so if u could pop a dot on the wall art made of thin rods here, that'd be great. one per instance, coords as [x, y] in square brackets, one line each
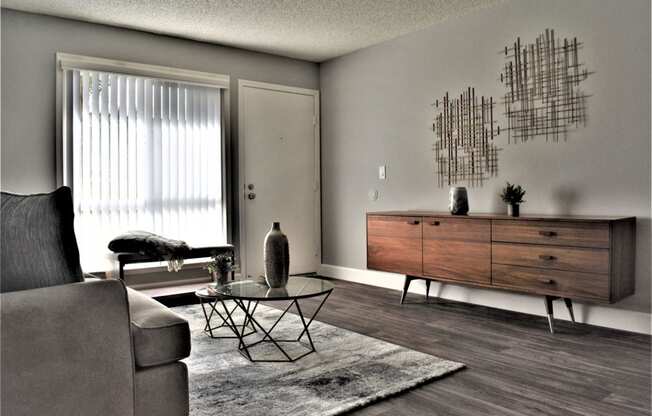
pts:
[542, 81]
[464, 146]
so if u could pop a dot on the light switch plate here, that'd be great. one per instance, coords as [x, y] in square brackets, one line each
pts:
[382, 172]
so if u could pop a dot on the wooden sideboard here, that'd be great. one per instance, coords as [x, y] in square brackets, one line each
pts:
[570, 258]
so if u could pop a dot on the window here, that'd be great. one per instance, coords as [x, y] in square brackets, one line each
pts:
[145, 154]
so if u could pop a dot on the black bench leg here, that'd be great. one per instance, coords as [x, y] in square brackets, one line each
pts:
[427, 289]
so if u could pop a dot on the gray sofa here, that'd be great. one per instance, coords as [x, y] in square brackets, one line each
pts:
[76, 346]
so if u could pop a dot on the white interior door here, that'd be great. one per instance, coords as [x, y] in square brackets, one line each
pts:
[279, 145]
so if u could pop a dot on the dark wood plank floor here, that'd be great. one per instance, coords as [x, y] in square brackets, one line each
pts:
[514, 365]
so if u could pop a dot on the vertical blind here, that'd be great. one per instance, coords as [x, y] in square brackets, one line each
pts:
[146, 155]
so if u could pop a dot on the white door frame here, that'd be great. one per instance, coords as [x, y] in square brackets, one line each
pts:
[242, 192]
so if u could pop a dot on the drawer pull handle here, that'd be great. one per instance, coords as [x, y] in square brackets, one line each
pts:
[546, 257]
[548, 233]
[413, 222]
[547, 281]
[435, 223]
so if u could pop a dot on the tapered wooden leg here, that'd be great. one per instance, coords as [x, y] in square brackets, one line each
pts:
[406, 286]
[569, 306]
[427, 290]
[549, 311]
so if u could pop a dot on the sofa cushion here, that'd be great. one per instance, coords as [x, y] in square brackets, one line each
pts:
[160, 335]
[162, 390]
[38, 241]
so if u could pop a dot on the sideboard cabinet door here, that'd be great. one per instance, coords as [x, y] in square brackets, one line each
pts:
[457, 249]
[394, 244]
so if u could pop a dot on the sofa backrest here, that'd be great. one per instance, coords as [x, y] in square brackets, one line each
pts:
[38, 245]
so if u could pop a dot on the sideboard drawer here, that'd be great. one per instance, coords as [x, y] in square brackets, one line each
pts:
[560, 233]
[457, 249]
[399, 227]
[438, 228]
[574, 285]
[589, 260]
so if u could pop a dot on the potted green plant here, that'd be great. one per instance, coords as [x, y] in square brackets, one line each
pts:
[513, 195]
[219, 268]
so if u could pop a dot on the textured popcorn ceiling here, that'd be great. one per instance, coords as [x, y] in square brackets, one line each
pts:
[315, 30]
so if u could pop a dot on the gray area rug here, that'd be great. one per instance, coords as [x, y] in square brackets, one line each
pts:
[348, 370]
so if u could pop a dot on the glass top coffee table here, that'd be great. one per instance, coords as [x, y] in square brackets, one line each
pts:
[247, 294]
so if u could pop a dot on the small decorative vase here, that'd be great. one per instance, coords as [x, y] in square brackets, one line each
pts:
[513, 210]
[459, 201]
[277, 257]
[219, 278]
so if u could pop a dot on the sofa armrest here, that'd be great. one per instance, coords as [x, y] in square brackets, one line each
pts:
[67, 350]
[160, 335]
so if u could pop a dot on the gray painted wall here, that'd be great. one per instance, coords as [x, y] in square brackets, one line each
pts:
[29, 44]
[376, 110]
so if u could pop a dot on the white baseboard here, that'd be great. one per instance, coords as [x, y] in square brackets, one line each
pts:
[625, 320]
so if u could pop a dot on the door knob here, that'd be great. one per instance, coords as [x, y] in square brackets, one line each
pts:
[251, 195]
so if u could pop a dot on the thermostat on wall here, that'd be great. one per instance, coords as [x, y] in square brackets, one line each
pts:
[373, 195]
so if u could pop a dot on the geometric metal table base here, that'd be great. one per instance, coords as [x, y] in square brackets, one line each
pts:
[250, 321]
[226, 321]
[246, 295]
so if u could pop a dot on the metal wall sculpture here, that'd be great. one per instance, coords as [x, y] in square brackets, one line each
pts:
[543, 96]
[464, 146]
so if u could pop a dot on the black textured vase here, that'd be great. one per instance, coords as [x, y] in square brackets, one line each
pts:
[459, 201]
[277, 257]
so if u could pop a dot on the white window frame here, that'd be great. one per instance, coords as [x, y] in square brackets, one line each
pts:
[66, 61]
